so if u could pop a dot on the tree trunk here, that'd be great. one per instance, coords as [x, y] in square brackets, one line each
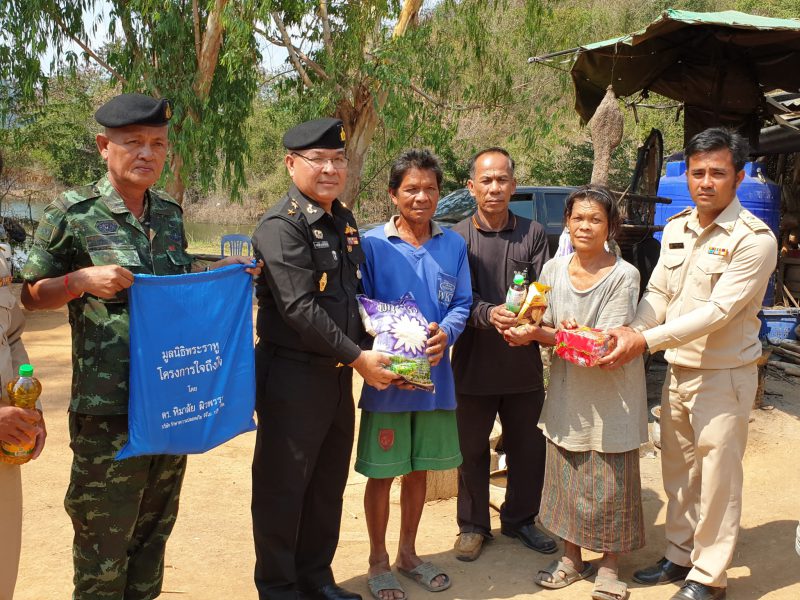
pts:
[408, 16]
[175, 185]
[206, 65]
[209, 53]
[360, 123]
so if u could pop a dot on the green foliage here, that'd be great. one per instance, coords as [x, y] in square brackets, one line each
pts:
[573, 166]
[267, 178]
[152, 50]
[59, 135]
[456, 82]
[541, 128]
[784, 9]
[419, 83]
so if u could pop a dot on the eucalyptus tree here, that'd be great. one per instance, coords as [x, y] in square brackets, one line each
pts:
[385, 63]
[201, 54]
[372, 63]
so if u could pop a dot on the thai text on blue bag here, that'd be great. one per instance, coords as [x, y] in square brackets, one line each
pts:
[192, 374]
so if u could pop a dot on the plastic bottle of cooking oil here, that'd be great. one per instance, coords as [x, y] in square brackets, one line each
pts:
[23, 391]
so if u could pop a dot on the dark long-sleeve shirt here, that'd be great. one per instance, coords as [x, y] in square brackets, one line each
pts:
[483, 363]
[307, 289]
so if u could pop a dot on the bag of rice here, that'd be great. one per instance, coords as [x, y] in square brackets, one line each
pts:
[583, 346]
[401, 331]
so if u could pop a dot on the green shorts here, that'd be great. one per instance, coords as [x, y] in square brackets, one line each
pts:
[392, 444]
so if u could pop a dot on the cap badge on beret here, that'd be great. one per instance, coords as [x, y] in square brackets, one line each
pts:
[323, 133]
[134, 109]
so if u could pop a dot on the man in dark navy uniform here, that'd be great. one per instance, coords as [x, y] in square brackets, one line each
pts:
[309, 328]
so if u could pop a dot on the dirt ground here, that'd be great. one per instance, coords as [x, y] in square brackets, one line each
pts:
[210, 554]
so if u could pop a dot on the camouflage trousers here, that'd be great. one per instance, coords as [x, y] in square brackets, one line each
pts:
[122, 511]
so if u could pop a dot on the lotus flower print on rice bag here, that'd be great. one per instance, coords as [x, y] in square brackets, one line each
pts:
[401, 331]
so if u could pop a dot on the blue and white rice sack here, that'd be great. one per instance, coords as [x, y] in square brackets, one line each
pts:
[401, 331]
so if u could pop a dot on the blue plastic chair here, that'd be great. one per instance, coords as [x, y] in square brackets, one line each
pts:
[238, 245]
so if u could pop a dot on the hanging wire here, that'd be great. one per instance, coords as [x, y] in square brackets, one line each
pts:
[548, 63]
[614, 59]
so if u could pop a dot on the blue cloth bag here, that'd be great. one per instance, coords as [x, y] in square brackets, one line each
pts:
[192, 376]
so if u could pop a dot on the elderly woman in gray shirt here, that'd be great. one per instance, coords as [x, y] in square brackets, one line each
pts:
[594, 420]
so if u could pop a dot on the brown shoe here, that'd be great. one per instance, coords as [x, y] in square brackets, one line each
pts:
[468, 546]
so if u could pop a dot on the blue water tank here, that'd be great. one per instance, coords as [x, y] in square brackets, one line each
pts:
[760, 195]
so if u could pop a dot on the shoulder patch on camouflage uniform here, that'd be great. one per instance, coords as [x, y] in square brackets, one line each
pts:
[683, 213]
[75, 196]
[43, 234]
[753, 222]
[162, 195]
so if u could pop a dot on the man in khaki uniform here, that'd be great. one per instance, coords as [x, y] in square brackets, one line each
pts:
[701, 307]
[16, 425]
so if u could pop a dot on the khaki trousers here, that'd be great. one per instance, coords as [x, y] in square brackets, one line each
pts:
[10, 527]
[704, 420]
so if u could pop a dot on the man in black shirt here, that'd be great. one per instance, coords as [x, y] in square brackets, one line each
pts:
[499, 245]
[309, 328]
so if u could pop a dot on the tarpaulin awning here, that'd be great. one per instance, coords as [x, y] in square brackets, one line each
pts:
[719, 64]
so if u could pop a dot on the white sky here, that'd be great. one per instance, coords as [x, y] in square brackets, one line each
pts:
[273, 56]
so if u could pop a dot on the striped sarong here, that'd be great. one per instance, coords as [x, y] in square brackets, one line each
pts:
[593, 499]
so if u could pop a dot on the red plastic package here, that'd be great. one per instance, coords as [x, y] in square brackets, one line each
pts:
[583, 346]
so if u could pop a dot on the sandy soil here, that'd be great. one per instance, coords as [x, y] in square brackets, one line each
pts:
[210, 554]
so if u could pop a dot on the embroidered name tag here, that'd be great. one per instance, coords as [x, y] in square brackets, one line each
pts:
[717, 251]
[676, 245]
[322, 244]
[106, 226]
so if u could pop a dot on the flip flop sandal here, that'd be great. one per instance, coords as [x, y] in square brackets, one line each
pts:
[383, 582]
[609, 588]
[424, 574]
[558, 581]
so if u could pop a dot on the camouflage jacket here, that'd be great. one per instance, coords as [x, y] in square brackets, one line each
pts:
[91, 226]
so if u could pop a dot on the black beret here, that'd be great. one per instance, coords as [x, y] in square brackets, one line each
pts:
[319, 133]
[134, 109]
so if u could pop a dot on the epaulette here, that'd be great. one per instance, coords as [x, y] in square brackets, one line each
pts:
[286, 209]
[291, 208]
[683, 213]
[162, 195]
[753, 222]
[75, 196]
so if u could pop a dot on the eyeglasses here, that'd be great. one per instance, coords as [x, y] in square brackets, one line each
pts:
[340, 162]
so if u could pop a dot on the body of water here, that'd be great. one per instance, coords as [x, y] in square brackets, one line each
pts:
[201, 232]
[205, 234]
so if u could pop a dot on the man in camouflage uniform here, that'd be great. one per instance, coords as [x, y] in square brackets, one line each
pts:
[89, 244]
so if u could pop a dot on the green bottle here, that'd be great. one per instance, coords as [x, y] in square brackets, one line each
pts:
[516, 293]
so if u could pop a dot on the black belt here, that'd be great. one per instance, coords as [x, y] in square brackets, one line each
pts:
[300, 356]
